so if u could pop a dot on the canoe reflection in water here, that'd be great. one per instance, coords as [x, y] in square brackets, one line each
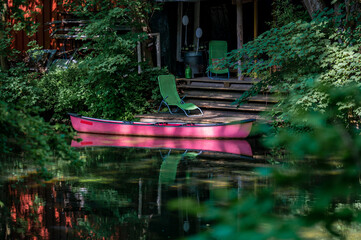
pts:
[170, 162]
[233, 146]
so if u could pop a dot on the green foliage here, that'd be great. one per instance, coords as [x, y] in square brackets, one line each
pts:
[36, 140]
[324, 135]
[19, 86]
[14, 19]
[24, 134]
[296, 56]
[63, 91]
[285, 12]
[106, 82]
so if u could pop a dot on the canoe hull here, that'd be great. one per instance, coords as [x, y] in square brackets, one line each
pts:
[90, 125]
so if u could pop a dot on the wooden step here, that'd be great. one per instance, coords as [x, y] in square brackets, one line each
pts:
[222, 105]
[240, 88]
[207, 88]
[225, 82]
[228, 97]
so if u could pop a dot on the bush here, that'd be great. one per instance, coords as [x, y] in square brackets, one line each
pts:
[32, 138]
[301, 57]
[105, 83]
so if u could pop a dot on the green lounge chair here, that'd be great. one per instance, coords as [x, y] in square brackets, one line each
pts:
[217, 52]
[170, 95]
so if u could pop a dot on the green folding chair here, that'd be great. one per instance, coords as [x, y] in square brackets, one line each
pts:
[170, 96]
[217, 52]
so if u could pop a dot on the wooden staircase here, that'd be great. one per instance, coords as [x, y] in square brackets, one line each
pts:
[218, 95]
[215, 97]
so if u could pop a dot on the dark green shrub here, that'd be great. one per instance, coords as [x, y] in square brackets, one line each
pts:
[293, 59]
[30, 137]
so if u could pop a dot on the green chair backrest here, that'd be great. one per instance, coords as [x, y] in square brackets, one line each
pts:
[217, 50]
[168, 89]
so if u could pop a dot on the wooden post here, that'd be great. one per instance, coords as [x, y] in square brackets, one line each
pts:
[158, 51]
[179, 32]
[197, 12]
[157, 45]
[239, 34]
[255, 19]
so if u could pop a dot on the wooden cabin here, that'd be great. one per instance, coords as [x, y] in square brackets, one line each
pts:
[234, 21]
[46, 14]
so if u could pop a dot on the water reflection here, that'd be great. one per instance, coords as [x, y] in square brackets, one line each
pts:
[240, 147]
[123, 193]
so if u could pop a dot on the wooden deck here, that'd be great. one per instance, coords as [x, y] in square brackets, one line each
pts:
[208, 117]
[214, 97]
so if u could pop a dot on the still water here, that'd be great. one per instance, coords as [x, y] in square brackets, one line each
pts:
[124, 188]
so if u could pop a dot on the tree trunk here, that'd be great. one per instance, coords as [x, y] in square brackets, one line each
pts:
[3, 59]
[313, 6]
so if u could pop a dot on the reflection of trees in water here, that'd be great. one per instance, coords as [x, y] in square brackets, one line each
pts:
[42, 211]
[119, 195]
[62, 211]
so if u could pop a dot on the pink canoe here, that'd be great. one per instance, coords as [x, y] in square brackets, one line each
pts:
[239, 129]
[234, 146]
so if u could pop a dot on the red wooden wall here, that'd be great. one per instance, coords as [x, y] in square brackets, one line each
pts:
[49, 11]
